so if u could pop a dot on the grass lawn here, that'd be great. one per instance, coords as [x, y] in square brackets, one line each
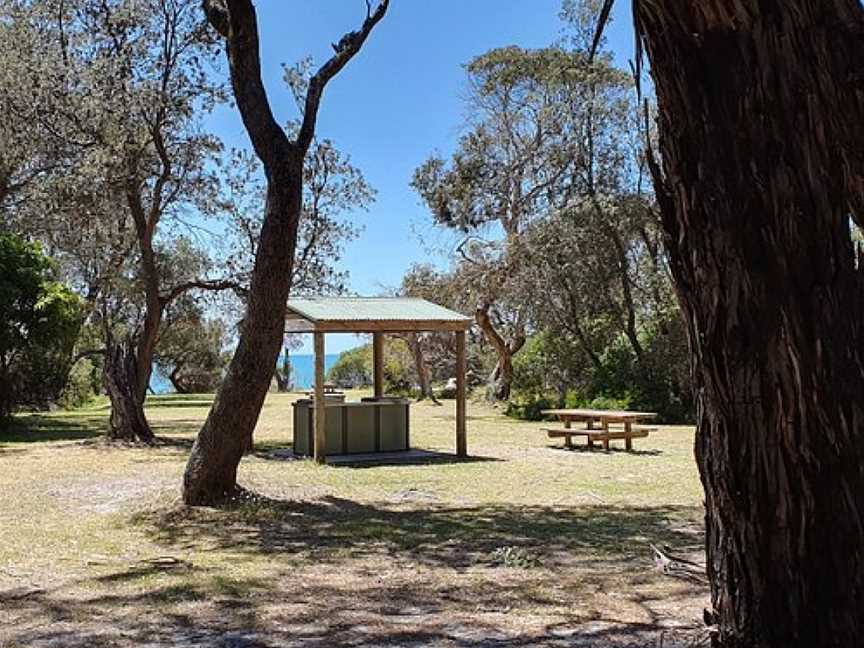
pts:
[527, 545]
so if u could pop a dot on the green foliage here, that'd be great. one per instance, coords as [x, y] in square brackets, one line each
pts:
[549, 364]
[39, 323]
[552, 372]
[354, 368]
[82, 385]
[660, 382]
[529, 407]
[191, 350]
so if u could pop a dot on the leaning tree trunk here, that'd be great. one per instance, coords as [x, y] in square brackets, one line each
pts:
[500, 381]
[761, 106]
[127, 421]
[211, 472]
[177, 381]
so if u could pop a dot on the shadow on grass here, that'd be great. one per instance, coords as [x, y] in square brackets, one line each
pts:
[176, 404]
[363, 587]
[325, 529]
[35, 428]
[598, 449]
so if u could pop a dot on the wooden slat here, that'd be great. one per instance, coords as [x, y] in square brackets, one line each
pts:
[613, 435]
[378, 364]
[320, 406]
[461, 434]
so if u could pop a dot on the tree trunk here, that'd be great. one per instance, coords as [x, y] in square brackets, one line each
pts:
[211, 472]
[127, 422]
[421, 368]
[283, 375]
[761, 106]
[501, 379]
[177, 382]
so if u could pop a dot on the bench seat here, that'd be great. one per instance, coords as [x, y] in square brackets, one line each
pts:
[599, 435]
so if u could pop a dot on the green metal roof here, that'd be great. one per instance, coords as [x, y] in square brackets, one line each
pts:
[388, 313]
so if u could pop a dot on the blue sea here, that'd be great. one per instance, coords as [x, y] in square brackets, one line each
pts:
[302, 364]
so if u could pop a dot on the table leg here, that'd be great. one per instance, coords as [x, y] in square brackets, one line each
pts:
[606, 439]
[628, 442]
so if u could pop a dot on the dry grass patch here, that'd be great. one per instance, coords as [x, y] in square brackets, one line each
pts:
[529, 544]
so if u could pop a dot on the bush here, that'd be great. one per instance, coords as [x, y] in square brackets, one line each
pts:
[529, 407]
[353, 368]
[190, 352]
[39, 323]
[661, 383]
[82, 385]
[552, 372]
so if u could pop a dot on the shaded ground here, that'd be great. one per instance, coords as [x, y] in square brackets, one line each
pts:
[538, 547]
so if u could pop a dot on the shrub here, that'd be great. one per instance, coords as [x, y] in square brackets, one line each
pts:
[529, 407]
[353, 368]
[39, 323]
[82, 385]
[551, 372]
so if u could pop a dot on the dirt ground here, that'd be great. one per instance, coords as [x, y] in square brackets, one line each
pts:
[527, 544]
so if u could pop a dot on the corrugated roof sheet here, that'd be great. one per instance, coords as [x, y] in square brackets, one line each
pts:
[385, 309]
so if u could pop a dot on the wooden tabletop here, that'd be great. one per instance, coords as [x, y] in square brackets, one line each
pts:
[599, 414]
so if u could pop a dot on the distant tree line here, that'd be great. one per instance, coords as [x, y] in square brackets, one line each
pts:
[105, 162]
[556, 234]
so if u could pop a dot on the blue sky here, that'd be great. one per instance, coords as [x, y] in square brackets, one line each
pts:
[396, 103]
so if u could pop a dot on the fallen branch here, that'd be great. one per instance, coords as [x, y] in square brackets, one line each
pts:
[678, 567]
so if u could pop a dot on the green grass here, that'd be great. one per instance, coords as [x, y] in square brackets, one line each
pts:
[96, 545]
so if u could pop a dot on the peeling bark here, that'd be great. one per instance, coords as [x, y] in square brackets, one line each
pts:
[761, 106]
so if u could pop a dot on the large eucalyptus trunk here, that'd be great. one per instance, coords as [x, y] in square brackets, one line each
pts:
[761, 106]
[127, 421]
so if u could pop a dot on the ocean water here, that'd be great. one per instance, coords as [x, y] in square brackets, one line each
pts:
[302, 364]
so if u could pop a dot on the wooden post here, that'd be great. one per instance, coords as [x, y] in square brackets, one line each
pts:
[461, 436]
[320, 435]
[378, 363]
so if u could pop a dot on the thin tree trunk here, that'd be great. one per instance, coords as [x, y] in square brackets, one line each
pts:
[127, 421]
[761, 106]
[177, 382]
[500, 381]
[283, 375]
[421, 369]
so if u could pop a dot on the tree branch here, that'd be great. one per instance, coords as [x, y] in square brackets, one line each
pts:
[217, 16]
[238, 24]
[344, 50]
[201, 284]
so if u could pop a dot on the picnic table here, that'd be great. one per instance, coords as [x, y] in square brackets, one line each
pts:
[330, 389]
[597, 426]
